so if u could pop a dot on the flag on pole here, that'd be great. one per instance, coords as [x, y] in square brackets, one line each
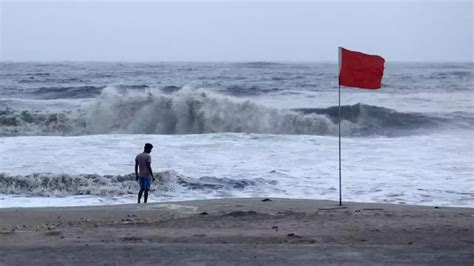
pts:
[357, 70]
[360, 70]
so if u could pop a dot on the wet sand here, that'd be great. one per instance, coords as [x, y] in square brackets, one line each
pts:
[238, 232]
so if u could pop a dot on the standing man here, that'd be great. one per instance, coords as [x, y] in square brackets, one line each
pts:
[143, 172]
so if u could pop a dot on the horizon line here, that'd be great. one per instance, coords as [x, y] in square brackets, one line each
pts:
[220, 61]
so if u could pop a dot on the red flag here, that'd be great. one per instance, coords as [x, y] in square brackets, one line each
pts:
[360, 70]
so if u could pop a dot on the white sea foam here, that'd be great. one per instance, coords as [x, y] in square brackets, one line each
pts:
[396, 170]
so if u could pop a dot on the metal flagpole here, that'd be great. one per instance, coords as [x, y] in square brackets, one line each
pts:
[340, 191]
[340, 187]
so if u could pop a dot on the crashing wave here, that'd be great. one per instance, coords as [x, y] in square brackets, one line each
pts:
[53, 185]
[27, 122]
[195, 112]
[188, 111]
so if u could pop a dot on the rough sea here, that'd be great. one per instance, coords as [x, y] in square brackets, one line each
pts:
[69, 132]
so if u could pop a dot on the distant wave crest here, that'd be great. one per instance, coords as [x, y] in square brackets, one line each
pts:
[67, 92]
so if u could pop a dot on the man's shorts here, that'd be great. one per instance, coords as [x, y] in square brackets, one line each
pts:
[145, 182]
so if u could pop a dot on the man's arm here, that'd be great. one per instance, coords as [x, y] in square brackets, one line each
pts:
[148, 165]
[136, 170]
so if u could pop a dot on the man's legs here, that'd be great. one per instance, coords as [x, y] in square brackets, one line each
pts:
[140, 195]
[146, 195]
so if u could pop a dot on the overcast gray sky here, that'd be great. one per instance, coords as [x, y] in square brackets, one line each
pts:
[235, 30]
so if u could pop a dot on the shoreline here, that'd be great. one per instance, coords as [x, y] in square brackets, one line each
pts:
[59, 202]
[318, 202]
[240, 231]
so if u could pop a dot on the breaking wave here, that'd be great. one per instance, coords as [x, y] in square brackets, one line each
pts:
[53, 185]
[27, 122]
[385, 121]
[187, 111]
[194, 112]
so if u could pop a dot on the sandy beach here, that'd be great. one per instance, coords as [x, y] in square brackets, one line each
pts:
[253, 231]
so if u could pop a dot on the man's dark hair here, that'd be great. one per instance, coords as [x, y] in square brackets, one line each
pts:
[148, 146]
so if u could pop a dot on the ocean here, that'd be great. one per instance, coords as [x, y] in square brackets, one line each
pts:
[69, 132]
